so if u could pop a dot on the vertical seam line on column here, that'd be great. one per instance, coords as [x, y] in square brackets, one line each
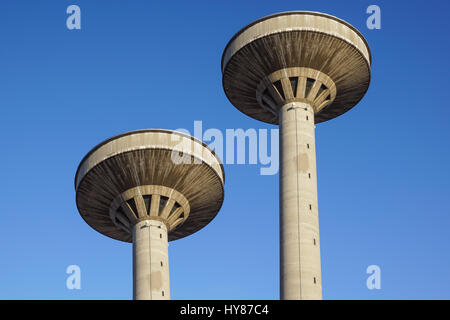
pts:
[281, 210]
[150, 260]
[134, 262]
[298, 206]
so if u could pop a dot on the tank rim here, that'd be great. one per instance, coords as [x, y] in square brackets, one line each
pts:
[284, 13]
[143, 131]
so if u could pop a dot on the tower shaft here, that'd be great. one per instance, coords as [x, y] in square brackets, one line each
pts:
[300, 270]
[150, 261]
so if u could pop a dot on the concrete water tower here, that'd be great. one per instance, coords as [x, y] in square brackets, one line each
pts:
[296, 69]
[149, 187]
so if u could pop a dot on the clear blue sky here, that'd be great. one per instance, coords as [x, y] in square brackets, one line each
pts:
[383, 167]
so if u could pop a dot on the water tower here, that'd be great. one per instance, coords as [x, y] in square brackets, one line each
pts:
[149, 187]
[296, 69]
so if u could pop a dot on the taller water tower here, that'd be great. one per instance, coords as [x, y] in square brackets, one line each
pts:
[296, 69]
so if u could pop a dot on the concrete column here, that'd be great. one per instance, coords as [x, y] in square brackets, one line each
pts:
[150, 261]
[300, 272]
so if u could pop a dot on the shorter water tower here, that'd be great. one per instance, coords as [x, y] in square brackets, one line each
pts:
[149, 187]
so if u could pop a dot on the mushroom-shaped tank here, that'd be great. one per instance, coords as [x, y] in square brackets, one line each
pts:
[149, 174]
[298, 56]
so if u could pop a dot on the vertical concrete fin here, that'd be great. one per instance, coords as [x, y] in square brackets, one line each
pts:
[128, 211]
[175, 215]
[140, 205]
[301, 87]
[313, 92]
[167, 208]
[154, 206]
[287, 88]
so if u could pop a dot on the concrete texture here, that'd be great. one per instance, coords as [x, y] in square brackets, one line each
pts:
[296, 39]
[144, 158]
[150, 261]
[296, 69]
[153, 202]
[149, 187]
[300, 272]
